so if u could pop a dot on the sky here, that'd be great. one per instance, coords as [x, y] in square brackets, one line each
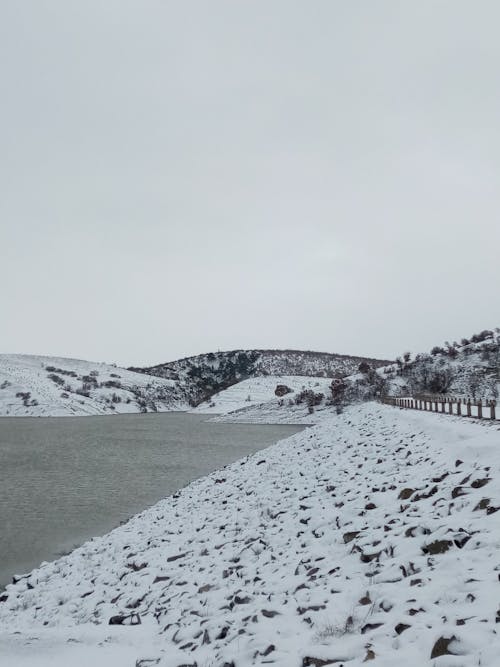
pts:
[192, 176]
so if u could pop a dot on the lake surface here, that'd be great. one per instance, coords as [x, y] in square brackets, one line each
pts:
[66, 479]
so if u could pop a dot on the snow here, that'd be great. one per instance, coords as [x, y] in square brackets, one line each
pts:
[325, 547]
[259, 390]
[126, 392]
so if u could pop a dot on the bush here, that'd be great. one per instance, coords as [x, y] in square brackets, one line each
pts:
[55, 378]
[309, 397]
[111, 384]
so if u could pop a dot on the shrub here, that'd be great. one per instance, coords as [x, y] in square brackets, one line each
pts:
[111, 384]
[55, 378]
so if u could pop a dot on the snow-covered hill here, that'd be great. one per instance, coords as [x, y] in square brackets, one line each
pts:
[470, 368]
[371, 537]
[206, 374]
[52, 386]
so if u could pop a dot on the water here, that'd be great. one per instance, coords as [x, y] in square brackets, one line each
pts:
[66, 479]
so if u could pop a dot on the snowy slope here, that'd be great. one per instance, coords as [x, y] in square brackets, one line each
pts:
[373, 536]
[52, 386]
[260, 390]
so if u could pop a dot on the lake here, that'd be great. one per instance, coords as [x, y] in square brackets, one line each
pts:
[66, 479]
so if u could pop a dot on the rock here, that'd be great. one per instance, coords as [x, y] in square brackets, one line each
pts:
[478, 483]
[441, 647]
[404, 494]
[170, 559]
[4, 598]
[348, 537]
[437, 547]
[309, 661]
[205, 588]
[482, 504]
[282, 390]
[269, 614]
[367, 558]
[370, 626]
[412, 612]
[370, 506]
[136, 567]
[243, 600]
[401, 627]
[131, 619]
[370, 655]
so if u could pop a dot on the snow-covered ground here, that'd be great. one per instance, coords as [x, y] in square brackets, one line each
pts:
[260, 390]
[371, 537]
[52, 386]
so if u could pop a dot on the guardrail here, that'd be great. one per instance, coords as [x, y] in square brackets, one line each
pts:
[449, 405]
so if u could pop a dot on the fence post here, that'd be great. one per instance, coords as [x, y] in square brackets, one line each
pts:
[492, 409]
[459, 407]
[480, 409]
[469, 412]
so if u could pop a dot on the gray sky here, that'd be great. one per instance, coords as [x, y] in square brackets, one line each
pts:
[180, 177]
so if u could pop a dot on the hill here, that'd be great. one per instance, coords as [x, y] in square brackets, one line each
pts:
[53, 386]
[206, 374]
[469, 368]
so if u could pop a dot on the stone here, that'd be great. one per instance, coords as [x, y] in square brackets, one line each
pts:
[437, 547]
[348, 537]
[401, 627]
[441, 647]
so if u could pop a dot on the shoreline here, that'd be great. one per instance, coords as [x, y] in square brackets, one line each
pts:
[281, 548]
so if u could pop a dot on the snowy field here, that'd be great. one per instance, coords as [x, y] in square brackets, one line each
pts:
[371, 537]
[51, 386]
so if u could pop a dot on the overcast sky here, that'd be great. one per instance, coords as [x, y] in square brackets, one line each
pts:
[181, 177]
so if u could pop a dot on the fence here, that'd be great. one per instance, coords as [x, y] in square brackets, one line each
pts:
[449, 405]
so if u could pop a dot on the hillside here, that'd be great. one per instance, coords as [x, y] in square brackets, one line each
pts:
[259, 392]
[206, 374]
[371, 537]
[469, 368]
[53, 386]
